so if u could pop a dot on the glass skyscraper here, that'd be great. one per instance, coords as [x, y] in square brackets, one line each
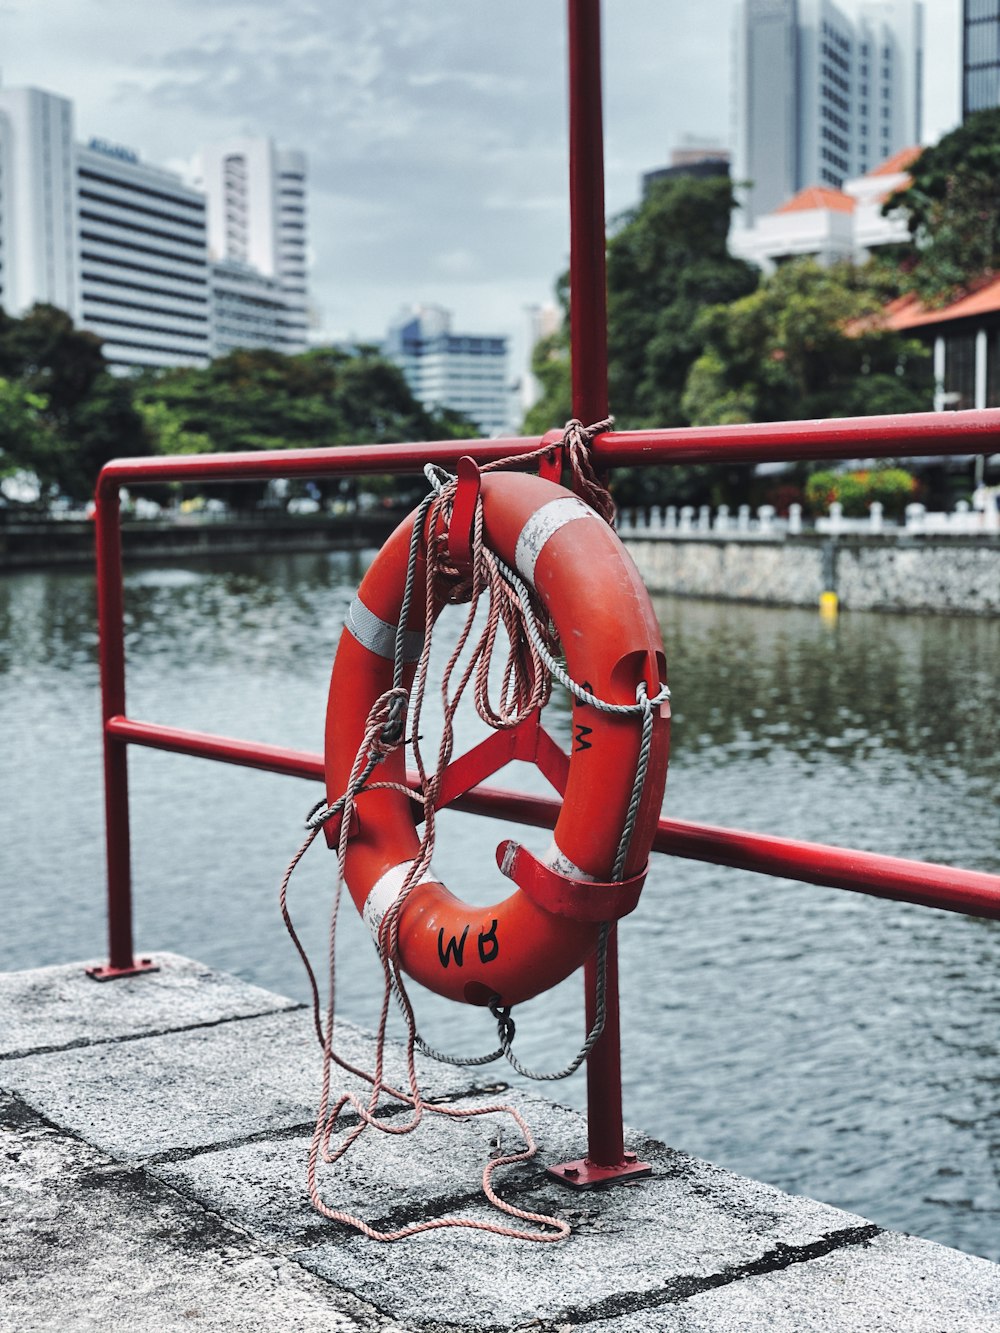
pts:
[980, 55]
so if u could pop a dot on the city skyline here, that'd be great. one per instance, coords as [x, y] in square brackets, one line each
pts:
[436, 144]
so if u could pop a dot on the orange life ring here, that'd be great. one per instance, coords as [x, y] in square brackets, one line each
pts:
[596, 599]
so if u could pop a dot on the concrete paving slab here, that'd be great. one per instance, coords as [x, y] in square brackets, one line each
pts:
[88, 1245]
[691, 1223]
[155, 1179]
[181, 1091]
[891, 1284]
[628, 1244]
[48, 1008]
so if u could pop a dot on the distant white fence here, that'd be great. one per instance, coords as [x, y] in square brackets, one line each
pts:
[670, 520]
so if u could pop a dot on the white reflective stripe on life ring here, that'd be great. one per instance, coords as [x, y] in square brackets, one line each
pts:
[379, 636]
[384, 893]
[543, 524]
[556, 859]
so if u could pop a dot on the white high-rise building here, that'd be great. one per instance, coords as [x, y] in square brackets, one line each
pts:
[37, 223]
[466, 372]
[257, 218]
[127, 248]
[143, 264]
[821, 95]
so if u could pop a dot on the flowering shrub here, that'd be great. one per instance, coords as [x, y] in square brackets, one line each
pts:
[893, 487]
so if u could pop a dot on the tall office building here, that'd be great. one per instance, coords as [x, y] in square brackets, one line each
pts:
[464, 371]
[124, 247]
[820, 96]
[257, 219]
[980, 55]
[37, 223]
[143, 263]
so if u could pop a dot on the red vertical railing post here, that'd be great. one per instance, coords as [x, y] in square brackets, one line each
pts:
[588, 307]
[111, 631]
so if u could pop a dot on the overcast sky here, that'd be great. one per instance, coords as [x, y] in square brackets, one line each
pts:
[436, 132]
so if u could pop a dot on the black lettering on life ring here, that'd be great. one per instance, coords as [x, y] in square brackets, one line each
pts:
[453, 949]
[581, 730]
[488, 937]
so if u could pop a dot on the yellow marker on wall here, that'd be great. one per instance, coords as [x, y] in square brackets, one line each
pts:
[829, 605]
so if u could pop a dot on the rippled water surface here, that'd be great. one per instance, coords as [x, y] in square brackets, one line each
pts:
[838, 1046]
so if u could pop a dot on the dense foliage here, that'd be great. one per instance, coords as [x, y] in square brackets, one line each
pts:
[64, 415]
[952, 209]
[892, 487]
[266, 400]
[667, 261]
[696, 337]
[806, 344]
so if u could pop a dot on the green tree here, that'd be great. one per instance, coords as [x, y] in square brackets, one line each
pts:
[952, 209]
[550, 366]
[25, 436]
[667, 259]
[807, 343]
[262, 399]
[88, 415]
[47, 354]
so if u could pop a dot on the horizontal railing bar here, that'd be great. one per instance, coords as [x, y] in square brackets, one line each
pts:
[204, 745]
[910, 435]
[333, 460]
[915, 435]
[949, 888]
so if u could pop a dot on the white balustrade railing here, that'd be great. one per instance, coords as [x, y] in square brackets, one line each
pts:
[702, 522]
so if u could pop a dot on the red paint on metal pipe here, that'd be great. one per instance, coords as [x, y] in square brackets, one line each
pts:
[950, 888]
[587, 277]
[355, 460]
[914, 434]
[589, 370]
[110, 617]
[203, 745]
[917, 434]
[605, 1129]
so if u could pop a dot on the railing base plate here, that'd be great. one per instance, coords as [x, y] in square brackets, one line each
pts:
[586, 1175]
[108, 973]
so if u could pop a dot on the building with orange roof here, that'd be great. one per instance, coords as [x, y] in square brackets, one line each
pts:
[821, 96]
[827, 224]
[965, 337]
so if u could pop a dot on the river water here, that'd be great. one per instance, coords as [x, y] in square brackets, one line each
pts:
[836, 1045]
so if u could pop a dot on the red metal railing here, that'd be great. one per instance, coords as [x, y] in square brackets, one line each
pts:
[923, 434]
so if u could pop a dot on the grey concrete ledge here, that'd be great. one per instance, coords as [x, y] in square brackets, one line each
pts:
[153, 1145]
[947, 576]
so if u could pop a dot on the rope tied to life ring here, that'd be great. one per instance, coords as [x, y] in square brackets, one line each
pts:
[531, 665]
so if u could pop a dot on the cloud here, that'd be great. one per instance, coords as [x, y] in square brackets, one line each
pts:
[436, 134]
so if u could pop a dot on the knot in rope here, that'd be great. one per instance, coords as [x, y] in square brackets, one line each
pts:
[576, 441]
[505, 1022]
[385, 727]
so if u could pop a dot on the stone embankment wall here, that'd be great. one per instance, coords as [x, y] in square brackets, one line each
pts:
[894, 572]
[26, 544]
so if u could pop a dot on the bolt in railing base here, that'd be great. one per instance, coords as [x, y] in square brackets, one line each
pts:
[109, 973]
[586, 1175]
